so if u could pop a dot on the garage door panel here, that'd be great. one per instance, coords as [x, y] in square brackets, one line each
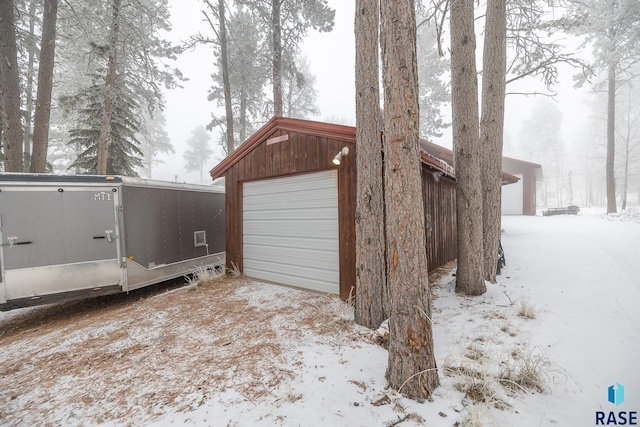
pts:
[291, 270]
[261, 269]
[303, 281]
[291, 228]
[312, 258]
[307, 199]
[291, 242]
[319, 213]
[307, 182]
[290, 231]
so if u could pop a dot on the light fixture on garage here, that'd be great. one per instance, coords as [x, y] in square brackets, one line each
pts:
[340, 155]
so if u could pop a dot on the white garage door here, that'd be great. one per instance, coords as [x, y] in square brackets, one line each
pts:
[290, 231]
[512, 199]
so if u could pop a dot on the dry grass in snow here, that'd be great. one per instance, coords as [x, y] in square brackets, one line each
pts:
[232, 352]
[120, 360]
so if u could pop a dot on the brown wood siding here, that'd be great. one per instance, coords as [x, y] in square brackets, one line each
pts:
[301, 153]
[439, 199]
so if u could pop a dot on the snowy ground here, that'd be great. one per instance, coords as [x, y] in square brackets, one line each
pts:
[540, 348]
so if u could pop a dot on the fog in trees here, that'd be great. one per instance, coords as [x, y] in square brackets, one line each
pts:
[104, 50]
[433, 79]
[610, 28]
[154, 141]
[287, 22]
[540, 141]
[199, 153]
[248, 76]
[298, 90]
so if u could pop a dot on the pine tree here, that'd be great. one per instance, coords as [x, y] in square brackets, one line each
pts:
[433, 72]
[12, 135]
[412, 366]
[372, 298]
[611, 27]
[45, 87]
[154, 141]
[247, 77]
[298, 90]
[120, 49]
[287, 22]
[197, 156]
[491, 131]
[465, 117]
[124, 154]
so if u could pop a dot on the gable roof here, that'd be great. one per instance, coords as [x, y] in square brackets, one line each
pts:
[326, 130]
[511, 162]
[433, 156]
[446, 155]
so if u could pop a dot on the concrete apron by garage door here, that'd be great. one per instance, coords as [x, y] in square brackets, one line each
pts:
[290, 231]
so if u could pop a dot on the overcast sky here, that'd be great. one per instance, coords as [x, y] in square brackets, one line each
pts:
[332, 58]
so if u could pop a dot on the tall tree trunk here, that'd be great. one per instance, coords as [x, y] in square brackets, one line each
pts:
[225, 77]
[464, 106]
[372, 300]
[45, 85]
[10, 90]
[243, 115]
[627, 153]
[28, 134]
[277, 56]
[491, 130]
[110, 82]
[412, 366]
[611, 139]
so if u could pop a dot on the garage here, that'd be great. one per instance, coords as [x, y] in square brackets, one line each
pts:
[290, 206]
[290, 230]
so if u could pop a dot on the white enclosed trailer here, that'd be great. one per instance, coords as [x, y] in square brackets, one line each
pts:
[72, 237]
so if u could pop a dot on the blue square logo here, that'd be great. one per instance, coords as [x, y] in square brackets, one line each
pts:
[616, 394]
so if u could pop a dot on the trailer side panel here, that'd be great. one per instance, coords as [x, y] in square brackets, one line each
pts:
[58, 239]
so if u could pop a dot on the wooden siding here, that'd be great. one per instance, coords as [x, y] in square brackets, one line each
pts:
[310, 147]
[301, 153]
[439, 197]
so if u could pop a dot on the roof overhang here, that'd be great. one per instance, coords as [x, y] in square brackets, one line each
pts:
[326, 130]
[435, 157]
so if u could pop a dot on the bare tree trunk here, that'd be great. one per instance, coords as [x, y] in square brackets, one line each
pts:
[28, 117]
[611, 139]
[243, 115]
[372, 300]
[45, 86]
[10, 90]
[491, 131]
[277, 56]
[627, 154]
[110, 82]
[225, 77]
[464, 105]
[412, 366]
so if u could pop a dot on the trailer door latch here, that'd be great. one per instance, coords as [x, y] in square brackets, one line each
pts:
[109, 234]
[13, 242]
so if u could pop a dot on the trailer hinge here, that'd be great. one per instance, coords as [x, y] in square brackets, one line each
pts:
[119, 208]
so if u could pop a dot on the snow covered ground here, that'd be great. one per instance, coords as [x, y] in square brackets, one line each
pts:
[540, 348]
